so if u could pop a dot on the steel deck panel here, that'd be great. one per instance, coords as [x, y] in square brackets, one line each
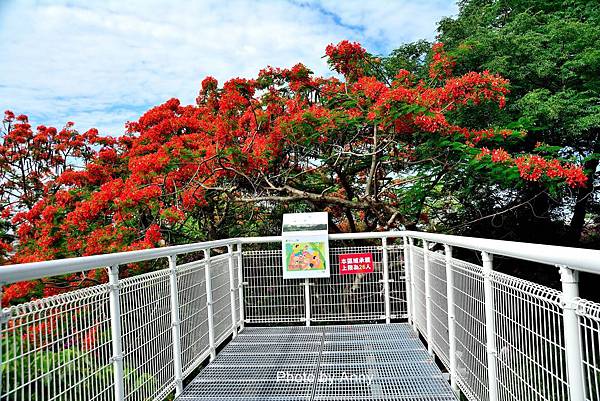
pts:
[323, 363]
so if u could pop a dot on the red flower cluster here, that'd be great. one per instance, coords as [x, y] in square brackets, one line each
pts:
[442, 64]
[346, 58]
[18, 291]
[533, 167]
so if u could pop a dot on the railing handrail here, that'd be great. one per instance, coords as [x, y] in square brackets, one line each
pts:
[587, 260]
[34, 270]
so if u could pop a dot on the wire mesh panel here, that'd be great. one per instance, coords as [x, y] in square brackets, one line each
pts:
[219, 276]
[471, 356]
[146, 336]
[589, 323]
[418, 269]
[529, 340]
[397, 275]
[191, 286]
[439, 306]
[58, 348]
[267, 296]
[236, 281]
[349, 296]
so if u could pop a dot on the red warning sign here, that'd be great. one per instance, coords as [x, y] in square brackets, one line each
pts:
[354, 263]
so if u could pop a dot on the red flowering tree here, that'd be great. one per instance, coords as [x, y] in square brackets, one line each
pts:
[32, 160]
[374, 153]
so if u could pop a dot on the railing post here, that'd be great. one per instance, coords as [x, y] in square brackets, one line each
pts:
[209, 306]
[4, 318]
[307, 300]
[428, 298]
[570, 294]
[241, 286]
[490, 329]
[412, 283]
[115, 328]
[232, 290]
[386, 281]
[407, 281]
[175, 323]
[451, 318]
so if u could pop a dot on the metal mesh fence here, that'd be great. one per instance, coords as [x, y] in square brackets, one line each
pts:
[191, 285]
[529, 341]
[471, 353]
[349, 296]
[221, 297]
[418, 271]
[58, 348]
[267, 296]
[439, 307]
[236, 282]
[146, 336]
[397, 273]
[589, 324]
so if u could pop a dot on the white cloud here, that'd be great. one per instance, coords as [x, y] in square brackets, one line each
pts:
[103, 63]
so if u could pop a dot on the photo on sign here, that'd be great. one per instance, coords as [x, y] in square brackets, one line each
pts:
[306, 256]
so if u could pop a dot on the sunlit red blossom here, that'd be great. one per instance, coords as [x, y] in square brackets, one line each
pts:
[574, 176]
[150, 163]
[345, 58]
[6, 212]
[192, 198]
[209, 83]
[533, 167]
[403, 77]
[18, 291]
[5, 247]
[9, 116]
[442, 64]
[553, 169]
[431, 123]
[172, 215]
[108, 155]
[299, 77]
[484, 152]
[371, 87]
[500, 156]
[153, 235]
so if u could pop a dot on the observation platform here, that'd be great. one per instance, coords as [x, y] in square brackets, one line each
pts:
[350, 362]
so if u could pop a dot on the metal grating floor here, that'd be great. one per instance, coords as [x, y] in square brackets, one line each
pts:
[353, 362]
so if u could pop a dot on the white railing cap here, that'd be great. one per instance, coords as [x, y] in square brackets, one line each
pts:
[582, 259]
[30, 271]
[587, 260]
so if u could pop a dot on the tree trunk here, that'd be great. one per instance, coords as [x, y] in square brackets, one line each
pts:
[583, 199]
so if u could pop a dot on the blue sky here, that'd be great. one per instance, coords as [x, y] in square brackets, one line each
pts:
[102, 63]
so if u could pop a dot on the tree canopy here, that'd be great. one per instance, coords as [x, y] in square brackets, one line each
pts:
[549, 52]
[374, 150]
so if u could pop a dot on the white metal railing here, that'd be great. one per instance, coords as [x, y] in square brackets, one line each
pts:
[139, 338]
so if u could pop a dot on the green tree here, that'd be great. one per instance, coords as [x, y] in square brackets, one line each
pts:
[550, 52]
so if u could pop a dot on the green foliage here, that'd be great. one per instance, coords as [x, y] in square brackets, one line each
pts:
[550, 52]
[78, 378]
